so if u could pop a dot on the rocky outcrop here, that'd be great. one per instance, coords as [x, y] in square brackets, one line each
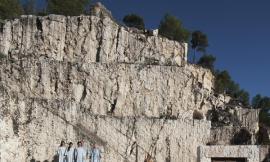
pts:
[48, 100]
[88, 78]
[231, 124]
[35, 121]
[86, 39]
[118, 89]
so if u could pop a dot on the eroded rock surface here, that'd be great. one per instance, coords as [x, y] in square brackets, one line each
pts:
[88, 78]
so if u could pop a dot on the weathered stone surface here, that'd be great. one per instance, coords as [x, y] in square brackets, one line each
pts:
[88, 78]
[121, 89]
[251, 153]
[228, 120]
[37, 126]
[86, 39]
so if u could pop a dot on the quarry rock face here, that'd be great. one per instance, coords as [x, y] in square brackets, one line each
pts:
[88, 78]
[86, 39]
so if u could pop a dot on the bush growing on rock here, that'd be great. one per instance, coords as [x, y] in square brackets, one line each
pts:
[172, 28]
[243, 137]
[133, 20]
[263, 103]
[207, 61]
[10, 9]
[224, 84]
[264, 117]
[262, 135]
[220, 117]
[67, 7]
[223, 80]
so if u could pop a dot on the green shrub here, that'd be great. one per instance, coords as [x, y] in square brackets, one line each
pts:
[172, 28]
[67, 7]
[10, 9]
[133, 20]
[207, 61]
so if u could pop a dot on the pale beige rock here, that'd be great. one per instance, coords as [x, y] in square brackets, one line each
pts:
[86, 39]
[124, 89]
[250, 152]
[44, 123]
[88, 78]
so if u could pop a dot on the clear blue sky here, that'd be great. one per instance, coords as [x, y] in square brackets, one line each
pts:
[238, 32]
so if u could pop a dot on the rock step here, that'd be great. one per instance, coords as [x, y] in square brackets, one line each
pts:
[121, 89]
[86, 39]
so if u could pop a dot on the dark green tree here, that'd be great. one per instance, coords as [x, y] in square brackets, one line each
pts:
[67, 7]
[133, 20]
[225, 84]
[172, 28]
[10, 9]
[256, 101]
[261, 102]
[243, 97]
[264, 103]
[264, 117]
[233, 89]
[222, 82]
[207, 61]
[199, 43]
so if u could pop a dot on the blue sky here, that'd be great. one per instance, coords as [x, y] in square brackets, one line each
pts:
[238, 32]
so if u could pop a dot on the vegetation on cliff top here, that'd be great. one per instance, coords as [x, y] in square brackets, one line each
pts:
[67, 7]
[199, 43]
[133, 20]
[262, 102]
[10, 9]
[172, 28]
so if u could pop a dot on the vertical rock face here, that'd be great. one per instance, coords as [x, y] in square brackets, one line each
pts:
[85, 39]
[88, 78]
[121, 138]
[118, 89]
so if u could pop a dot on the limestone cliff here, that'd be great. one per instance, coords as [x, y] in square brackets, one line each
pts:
[89, 78]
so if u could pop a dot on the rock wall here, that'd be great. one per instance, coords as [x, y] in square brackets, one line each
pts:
[36, 127]
[46, 100]
[86, 39]
[248, 120]
[74, 78]
[88, 78]
[120, 89]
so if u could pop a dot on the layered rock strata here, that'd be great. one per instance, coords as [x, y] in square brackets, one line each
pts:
[89, 78]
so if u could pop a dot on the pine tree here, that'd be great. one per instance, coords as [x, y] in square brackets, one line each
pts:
[133, 20]
[67, 7]
[172, 28]
[10, 9]
[199, 42]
